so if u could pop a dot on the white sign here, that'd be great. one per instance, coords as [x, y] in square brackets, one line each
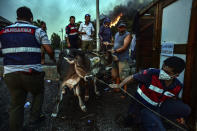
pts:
[167, 49]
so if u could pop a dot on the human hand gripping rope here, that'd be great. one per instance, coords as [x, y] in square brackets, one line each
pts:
[156, 113]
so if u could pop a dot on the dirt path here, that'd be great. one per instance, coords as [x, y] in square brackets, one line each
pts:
[101, 114]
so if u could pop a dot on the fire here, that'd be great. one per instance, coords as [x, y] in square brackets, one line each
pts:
[116, 20]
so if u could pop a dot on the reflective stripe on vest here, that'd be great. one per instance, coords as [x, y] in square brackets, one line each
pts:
[73, 33]
[158, 90]
[20, 46]
[21, 49]
[139, 91]
[154, 89]
[73, 27]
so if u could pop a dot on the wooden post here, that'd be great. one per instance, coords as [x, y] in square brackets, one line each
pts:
[157, 35]
[158, 29]
[192, 41]
[190, 88]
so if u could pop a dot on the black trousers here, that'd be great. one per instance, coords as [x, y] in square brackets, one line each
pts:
[19, 84]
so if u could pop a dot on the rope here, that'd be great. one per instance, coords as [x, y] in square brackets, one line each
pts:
[156, 113]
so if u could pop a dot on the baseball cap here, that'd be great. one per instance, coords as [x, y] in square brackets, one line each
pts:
[87, 15]
[122, 25]
[107, 20]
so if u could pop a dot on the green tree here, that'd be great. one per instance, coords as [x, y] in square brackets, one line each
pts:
[55, 41]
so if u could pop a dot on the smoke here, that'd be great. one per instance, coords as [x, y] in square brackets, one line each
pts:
[129, 9]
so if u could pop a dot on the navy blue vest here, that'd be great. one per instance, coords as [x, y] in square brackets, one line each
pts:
[19, 45]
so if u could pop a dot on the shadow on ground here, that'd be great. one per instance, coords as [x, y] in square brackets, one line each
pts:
[102, 113]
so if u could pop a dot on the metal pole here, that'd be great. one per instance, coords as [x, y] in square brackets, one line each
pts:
[97, 26]
[62, 38]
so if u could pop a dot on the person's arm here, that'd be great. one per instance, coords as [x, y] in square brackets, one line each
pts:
[112, 41]
[92, 31]
[144, 76]
[82, 33]
[127, 41]
[45, 43]
[127, 80]
[80, 29]
[49, 51]
[67, 33]
[68, 42]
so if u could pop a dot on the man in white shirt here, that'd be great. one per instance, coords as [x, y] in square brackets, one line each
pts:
[86, 29]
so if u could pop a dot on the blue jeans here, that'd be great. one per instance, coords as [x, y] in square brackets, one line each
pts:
[151, 122]
[172, 109]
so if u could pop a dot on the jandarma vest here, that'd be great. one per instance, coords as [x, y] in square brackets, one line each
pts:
[19, 45]
[155, 93]
[72, 31]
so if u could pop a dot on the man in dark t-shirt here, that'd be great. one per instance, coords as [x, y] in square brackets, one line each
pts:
[72, 34]
[105, 35]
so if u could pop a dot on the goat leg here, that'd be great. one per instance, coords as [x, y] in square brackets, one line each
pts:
[81, 103]
[59, 99]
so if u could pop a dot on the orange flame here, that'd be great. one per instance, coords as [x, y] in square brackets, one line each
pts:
[116, 20]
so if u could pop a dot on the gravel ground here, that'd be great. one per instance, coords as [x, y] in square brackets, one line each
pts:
[104, 112]
[4, 105]
[101, 115]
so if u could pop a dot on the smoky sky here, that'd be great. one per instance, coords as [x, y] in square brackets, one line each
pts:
[129, 9]
[56, 13]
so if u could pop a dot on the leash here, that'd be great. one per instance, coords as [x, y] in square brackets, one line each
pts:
[156, 113]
